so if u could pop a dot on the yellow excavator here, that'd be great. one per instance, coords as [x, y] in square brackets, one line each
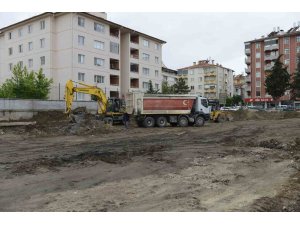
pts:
[110, 110]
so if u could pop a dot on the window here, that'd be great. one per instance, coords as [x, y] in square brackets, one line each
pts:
[156, 59]
[99, 27]
[21, 64]
[10, 35]
[257, 93]
[99, 45]
[81, 76]
[156, 86]
[257, 74]
[156, 73]
[42, 42]
[286, 61]
[257, 64]
[30, 46]
[146, 85]
[42, 24]
[30, 63]
[192, 87]
[257, 83]
[10, 51]
[298, 49]
[20, 32]
[80, 21]
[99, 79]
[20, 48]
[286, 51]
[98, 62]
[257, 45]
[286, 40]
[156, 46]
[81, 58]
[80, 96]
[146, 57]
[80, 40]
[29, 29]
[257, 55]
[199, 79]
[146, 43]
[43, 60]
[199, 86]
[298, 38]
[114, 47]
[10, 66]
[146, 71]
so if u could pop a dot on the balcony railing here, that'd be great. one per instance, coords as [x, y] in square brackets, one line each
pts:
[247, 51]
[271, 57]
[248, 70]
[271, 47]
[248, 60]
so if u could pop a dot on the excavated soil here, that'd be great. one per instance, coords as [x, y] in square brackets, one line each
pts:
[250, 164]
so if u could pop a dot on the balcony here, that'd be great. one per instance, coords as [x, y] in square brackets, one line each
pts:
[248, 60]
[114, 32]
[114, 80]
[248, 70]
[248, 88]
[134, 38]
[271, 57]
[248, 79]
[210, 74]
[269, 66]
[134, 83]
[114, 64]
[134, 68]
[134, 53]
[247, 51]
[209, 81]
[271, 47]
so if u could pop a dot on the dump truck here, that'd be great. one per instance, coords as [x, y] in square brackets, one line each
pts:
[159, 109]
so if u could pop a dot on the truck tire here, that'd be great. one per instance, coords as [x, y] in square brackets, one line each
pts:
[161, 121]
[149, 122]
[183, 121]
[199, 122]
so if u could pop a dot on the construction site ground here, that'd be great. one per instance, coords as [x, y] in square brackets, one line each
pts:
[249, 164]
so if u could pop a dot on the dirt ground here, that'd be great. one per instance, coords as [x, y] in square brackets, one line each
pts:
[249, 164]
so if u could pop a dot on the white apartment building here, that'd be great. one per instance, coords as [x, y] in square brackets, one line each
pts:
[208, 79]
[168, 75]
[83, 47]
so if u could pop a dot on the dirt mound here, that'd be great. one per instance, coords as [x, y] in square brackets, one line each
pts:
[263, 115]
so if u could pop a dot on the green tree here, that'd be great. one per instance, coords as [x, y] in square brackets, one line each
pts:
[277, 81]
[295, 85]
[166, 88]
[237, 100]
[26, 85]
[151, 89]
[229, 101]
[180, 87]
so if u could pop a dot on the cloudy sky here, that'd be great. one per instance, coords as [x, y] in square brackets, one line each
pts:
[194, 36]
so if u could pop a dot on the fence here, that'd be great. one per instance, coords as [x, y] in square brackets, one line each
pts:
[16, 109]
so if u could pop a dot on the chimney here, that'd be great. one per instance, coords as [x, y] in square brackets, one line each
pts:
[278, 28]
[213, 62]
[274, 29]
[194, 63]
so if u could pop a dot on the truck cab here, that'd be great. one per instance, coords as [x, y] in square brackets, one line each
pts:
[201, 106]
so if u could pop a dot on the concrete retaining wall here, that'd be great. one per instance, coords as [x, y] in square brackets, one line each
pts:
[17, 109]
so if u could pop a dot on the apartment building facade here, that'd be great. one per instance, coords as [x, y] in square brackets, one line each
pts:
[209, 79]
[239, 82]
[84, 47]
[169, 75]
[260, 56]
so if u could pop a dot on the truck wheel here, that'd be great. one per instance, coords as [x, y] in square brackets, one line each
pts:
[199, 122]
[149, 122]
[161, 121]
[183, 121]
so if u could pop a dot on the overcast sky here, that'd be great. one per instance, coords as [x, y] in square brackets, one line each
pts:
[194, 36]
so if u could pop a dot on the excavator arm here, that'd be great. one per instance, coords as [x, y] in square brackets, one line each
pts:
[86, 89]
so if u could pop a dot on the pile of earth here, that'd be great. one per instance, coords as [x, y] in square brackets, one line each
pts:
[263, 115]
[54, 123]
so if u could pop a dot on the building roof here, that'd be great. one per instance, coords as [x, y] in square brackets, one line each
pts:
[42, 15]
[203, 64]
[277, 34]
